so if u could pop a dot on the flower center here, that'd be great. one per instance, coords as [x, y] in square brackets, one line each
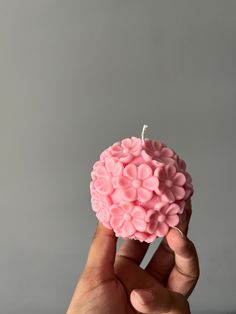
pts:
[169, 183]
[161, 218]
[127, 217]
[157, 153]
[136, 183]
[125, 150]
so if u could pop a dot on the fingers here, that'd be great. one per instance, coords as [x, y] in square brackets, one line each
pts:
[163, 259]
[158, 302]
[102, 251]
[162, 262]
[183, 224]
[185, 272]
[99, 267]
[162, 301]
[133, 250]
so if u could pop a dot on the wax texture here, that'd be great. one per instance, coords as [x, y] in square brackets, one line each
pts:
[139, 188]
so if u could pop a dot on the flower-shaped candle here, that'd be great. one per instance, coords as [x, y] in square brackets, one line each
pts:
[139, 188]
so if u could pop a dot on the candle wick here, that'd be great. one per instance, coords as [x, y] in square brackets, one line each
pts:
[144, 128]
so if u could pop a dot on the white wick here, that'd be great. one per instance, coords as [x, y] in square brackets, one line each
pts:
[144, 128]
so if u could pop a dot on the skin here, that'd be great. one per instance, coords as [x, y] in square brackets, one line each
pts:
[114, 283]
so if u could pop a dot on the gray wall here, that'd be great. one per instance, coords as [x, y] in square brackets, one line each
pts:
[75, 76]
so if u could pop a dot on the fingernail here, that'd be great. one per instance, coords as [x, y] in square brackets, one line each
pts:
[180, 232]
[143, 296]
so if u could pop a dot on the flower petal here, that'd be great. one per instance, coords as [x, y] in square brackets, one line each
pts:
[130, 171]
[173, 209]
[181, 163]
[116, 210]
[179, 179]
[188, 177]
[103, 186]
[116, 148]
[144, 171]
[97, 164]
[116, 222]
[160, 206]
[136, 146]
[144, 195]
[151, 215]
[151, 226]
[181, 205]
[128, 229]
[148, 144]
[151, 183]
[139, 212]
[103, 215]
[145, 155]
[93, 175]
[178, 192]
[105, 154]
[109, 164]
[126, 206]
[157, 145]
[161, 189]
[160, 173]
[172, 220]
[170, 171]
[162, 229]
[118, 169]
[101, 171]
[139, 224]
[150, 238]
[188, 193]
[126, 143]
[167, 152]
[168, 196]
[122, 182]
[130, 194]
[117, 195]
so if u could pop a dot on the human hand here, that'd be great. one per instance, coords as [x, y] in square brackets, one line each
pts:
[114, 283]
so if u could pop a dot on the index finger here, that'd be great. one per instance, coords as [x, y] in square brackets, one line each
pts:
[102, 251]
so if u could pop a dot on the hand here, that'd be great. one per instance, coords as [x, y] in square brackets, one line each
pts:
[114, 283]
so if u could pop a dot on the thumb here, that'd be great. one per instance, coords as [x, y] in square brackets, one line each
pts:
[102, 251]
[159, 301]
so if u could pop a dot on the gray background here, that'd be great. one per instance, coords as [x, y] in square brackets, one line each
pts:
[76, 76]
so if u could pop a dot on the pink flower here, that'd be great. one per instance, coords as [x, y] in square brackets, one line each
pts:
[101, 205]
[126, 218]
[137, 183]
[143, 236]
[97, 164]
[105, 154]
[181, 205]
[127, 149]
[171, 183]
[155, 150]
[103, 174]
[163, 217]
[181, 164]
[188, 186]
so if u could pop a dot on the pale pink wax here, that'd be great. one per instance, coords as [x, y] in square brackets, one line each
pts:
[139, 188]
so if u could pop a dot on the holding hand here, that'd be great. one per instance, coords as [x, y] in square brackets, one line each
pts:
[114, 283]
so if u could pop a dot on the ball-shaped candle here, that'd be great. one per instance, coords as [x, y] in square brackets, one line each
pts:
[139, 188]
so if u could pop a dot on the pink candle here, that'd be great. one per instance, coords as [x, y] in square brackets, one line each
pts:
[139, 188]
